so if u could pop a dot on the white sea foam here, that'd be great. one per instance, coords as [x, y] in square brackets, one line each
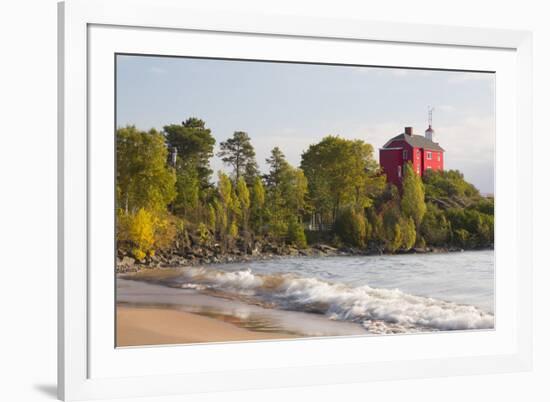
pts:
[378, 310]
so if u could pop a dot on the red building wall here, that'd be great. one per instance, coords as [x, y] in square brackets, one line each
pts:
[393, 160]
[390, 159]
[433, 161]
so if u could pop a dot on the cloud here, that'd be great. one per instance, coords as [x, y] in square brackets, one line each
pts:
[470, 148]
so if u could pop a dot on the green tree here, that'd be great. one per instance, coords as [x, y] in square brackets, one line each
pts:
[277, 212]
[243, 196]
[224, 207]
[462, 237]
[229, 210]
[143, 179]
[286, 192]
[188, 190]
[352, 227]
[295, 233]
[471, 228]
[278, 165]
[194, 144]
[257, 205]
[435, 227]
[408, 232]
[376, 226]
[294, 190]
[221, 220]
[412, 201]
[448, 189]
[340, 172]
[392, 228]
[467, 216]
[239, 153]
[212, 217]
[203, 234]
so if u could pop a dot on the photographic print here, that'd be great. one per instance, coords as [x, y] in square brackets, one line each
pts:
[261, 200]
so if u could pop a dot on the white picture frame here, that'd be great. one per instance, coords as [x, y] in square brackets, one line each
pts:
[91, 32]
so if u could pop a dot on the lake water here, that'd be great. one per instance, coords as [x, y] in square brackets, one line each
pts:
[381, 294]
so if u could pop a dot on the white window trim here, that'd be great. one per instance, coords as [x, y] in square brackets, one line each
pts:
[429, 155]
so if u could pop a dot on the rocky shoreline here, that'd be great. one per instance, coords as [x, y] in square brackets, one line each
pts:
[202, 255]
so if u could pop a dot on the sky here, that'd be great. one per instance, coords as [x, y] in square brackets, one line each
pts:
[294, 105]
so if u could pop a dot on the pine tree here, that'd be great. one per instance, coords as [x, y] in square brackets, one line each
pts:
[285, 195]
[195, 145]
[239, 153]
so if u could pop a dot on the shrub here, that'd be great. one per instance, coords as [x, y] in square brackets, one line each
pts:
[203, 234]
[461, 237]
[408, 233]
[141, 232]
[351, 227]
[165, 230]
[233, 230]
[391, 235]
[144, 232]
[479, 226]
[435, 227]
[296, 234]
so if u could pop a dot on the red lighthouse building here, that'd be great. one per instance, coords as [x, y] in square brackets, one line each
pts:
[421, 151]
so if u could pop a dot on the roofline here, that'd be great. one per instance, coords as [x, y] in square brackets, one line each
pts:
[436, 147]
[399, 148]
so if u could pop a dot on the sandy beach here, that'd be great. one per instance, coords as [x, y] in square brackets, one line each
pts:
[137, 326]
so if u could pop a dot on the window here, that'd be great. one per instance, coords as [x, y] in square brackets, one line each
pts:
[438, 157]
[399, 171]
[428, 155]
[418, 154]
[405, 154]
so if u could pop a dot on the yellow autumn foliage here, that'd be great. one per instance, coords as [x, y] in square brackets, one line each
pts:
[145, 232]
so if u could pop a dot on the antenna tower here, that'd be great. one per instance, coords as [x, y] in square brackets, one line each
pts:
[430, 115]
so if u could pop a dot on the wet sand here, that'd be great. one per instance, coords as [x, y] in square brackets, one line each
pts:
[138, 326]
[150, 314]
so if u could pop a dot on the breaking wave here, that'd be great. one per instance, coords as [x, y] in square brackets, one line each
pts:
[378, 310]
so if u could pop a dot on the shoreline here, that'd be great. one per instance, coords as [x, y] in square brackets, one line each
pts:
[264, 303]
[144, 326]
[127, 264]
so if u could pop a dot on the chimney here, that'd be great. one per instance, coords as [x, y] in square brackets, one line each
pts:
[408, 130]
